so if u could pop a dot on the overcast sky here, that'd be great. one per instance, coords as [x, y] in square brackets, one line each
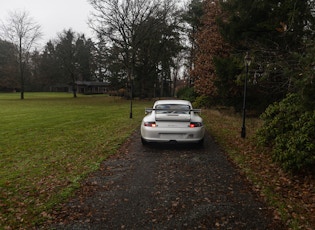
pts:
[52, 15]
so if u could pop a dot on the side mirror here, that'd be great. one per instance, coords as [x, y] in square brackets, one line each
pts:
[196, 110]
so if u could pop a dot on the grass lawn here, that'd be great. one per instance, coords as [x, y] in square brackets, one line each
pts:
[49, 142]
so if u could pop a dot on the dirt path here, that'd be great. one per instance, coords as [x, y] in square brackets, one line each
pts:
[166, 187]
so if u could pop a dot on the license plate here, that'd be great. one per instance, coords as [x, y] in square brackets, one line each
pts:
[171, 136]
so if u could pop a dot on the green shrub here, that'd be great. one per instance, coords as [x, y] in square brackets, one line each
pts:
[187, 93]
[290, 131]
[203, 102]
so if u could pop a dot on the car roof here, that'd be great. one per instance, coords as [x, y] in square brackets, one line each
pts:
[163, 102]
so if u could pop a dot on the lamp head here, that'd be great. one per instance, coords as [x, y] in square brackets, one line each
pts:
[247, 59]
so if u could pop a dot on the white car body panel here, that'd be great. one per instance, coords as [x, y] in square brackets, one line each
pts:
[172, 120]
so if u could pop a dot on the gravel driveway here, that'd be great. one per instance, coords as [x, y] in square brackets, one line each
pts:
[166, 187]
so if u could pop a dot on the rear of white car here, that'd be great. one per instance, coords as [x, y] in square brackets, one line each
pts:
[172, 121]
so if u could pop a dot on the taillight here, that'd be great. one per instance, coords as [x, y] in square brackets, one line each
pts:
[195, 124]
[150, 124]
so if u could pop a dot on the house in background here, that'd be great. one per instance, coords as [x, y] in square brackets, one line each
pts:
[84, 87]
[92, 87]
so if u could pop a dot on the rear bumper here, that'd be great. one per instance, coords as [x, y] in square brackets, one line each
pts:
[185, 135]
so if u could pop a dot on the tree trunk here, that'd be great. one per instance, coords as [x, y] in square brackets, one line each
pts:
[74, 90]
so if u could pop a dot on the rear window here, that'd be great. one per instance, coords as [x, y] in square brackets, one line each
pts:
[172, 108]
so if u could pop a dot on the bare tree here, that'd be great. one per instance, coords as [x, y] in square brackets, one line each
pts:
[23, 32]
[144, 32]
[116, 20]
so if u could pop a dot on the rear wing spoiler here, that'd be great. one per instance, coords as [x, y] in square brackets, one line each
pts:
[150, 110]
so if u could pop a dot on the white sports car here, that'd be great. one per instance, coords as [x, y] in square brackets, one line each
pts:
[172, 121]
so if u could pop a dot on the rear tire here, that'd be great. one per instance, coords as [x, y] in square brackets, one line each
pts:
[144, 142]
[200, 143]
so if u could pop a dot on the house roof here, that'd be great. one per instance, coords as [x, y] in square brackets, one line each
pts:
[91, 83]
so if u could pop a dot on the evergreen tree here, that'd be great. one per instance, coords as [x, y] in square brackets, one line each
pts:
[274, 32]
[8, 66]
[193, 16]
[49, 67]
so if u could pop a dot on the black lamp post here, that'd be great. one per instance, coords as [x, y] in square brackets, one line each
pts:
[131, 96]
[247, 61]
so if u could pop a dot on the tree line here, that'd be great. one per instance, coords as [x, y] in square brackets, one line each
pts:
[278, 35]
[138, 43]
[279, 38]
